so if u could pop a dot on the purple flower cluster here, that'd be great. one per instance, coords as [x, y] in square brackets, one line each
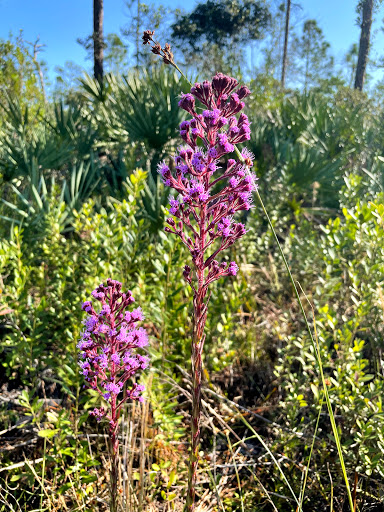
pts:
[202, 212]
[108, 357]
[207, 199]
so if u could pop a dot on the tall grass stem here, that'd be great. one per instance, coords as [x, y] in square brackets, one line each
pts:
[318, 355]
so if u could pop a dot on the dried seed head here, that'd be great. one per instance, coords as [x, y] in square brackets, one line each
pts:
[156, 49]
[168, 55]
[147, 36]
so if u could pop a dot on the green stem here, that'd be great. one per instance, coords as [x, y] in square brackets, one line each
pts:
[265, 446]
[237, 473]
[43, 474]
[317, 352]
[315, 345]
[181, 73]
[302, 491]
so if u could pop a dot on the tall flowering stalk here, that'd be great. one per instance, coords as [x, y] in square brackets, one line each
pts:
[108, 360]
[209, 192]
[246, 158]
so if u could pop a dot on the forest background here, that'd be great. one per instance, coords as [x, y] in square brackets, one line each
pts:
[81, 201]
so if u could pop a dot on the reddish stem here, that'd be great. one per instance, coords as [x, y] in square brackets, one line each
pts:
[199, 319]
[114, 433]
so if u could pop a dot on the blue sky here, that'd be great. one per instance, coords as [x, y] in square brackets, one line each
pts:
[60, 22]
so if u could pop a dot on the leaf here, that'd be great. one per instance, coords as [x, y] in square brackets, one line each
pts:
[65, 487]
[315, 391]
[15, 478]
[69, 370]
[88, 478]
[48, 432]
[172, 478]
[52, 416]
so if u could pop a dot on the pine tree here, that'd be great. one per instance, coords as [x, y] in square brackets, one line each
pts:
[217, 31]
[313, 61]
[286, 34]
[350, 60]
[98, 41]
[366, 7]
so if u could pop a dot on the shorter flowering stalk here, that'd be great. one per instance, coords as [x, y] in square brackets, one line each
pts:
[108, 359]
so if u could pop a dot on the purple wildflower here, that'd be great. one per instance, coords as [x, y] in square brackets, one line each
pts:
[193, 179]
[108, 336]
[87, 306]
[233, 268]
[108, 360]
[205, 214]
[115, 358]
[105, 310]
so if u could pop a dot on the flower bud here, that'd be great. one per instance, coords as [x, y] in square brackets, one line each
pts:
[187, 103]
[243, 91]
[171, 222]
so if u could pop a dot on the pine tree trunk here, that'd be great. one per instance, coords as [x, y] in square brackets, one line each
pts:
[138, 34]
[98, 41]
[365, 35]
[285, 54]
